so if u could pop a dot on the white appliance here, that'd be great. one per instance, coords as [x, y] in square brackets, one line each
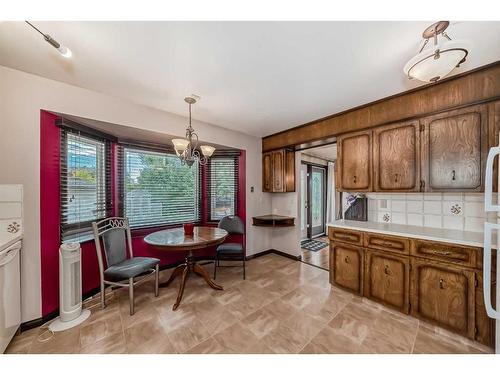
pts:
[70, 289]
[10, 293]
[491, 228]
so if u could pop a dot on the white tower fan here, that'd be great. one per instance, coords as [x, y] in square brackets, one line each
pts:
[70, 289]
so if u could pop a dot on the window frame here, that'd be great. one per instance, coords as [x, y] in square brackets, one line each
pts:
[80, 232]
[121, 175]
[234, 156]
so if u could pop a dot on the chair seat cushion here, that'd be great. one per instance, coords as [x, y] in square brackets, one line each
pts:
[130, 268]
[230, 248]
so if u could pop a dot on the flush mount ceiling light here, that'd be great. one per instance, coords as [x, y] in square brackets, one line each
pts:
[186, 148]
[63, 50]
[438, 59]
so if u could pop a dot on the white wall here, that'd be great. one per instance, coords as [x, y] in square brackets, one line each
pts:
[287, 239]
[23, 95]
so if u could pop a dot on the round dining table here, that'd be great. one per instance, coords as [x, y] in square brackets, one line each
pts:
[174, 240]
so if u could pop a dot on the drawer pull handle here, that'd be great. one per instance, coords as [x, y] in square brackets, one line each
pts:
[441, 284]
[445, 253]
[388, 244]
[347, 260]
[386, 270]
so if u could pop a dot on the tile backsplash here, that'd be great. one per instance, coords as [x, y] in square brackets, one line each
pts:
[11, 201]
[462, 211]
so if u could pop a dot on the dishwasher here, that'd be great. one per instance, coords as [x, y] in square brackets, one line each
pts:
[10, 293]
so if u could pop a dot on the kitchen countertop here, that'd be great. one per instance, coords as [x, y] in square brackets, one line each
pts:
[433, 234]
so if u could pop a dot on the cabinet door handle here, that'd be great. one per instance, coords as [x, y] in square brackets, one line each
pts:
[386, 270]
[347, 260]
[396, 178]
[445, 253]
[441, 284]
[354, 178]
[453, 175]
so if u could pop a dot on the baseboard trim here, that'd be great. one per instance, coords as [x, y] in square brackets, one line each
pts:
[274, 251]
[54, 314]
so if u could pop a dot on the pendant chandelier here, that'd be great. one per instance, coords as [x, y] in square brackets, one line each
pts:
[187, 148]
[437, 59]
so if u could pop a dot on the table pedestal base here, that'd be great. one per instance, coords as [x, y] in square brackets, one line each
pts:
[185, 269]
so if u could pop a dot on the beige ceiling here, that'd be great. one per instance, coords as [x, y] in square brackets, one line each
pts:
[255, 77]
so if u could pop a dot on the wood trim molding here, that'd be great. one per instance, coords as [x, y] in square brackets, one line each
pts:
[476, 86]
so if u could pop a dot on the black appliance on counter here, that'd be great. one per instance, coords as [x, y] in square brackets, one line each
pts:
[358, 209]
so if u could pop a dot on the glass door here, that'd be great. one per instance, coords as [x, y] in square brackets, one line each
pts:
[303, 202]
[318, 200]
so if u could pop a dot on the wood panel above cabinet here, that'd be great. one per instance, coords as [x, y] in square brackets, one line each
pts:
[470, 88]
[278, 171]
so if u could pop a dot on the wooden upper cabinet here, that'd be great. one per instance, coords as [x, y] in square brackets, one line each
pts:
[278, 158]
[396, 157]
[278, 171]
[267, 176]
[454, 148]
[354, 154]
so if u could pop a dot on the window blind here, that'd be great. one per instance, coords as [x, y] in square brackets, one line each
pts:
[222, 186]
[156, 189]
[85, 185]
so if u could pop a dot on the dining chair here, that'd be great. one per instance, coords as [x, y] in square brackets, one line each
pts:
[114, 233]
[231, 250]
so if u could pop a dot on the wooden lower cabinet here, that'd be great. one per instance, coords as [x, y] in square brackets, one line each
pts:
[387, 279]
[346, 264]
[436, 282]
[443, 294]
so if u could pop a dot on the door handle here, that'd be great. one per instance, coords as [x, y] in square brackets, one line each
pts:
[396, 178]
[347, 260]
[354, 179]
[441, 284]
[386, 270]
[453, 175]
[488, 189]
[488, 227]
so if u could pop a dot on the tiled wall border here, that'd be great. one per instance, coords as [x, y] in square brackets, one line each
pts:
[462, 211]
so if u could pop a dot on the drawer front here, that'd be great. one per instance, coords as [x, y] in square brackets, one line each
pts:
[456, 254]
[393, 244]
[387, 279]
[346, 267]
[345, 235]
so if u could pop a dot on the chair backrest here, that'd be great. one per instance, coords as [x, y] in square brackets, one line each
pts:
[233, 224]
[116, 237]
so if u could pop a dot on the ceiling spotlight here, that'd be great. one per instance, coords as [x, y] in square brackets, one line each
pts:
[437, 59]
[63, 50]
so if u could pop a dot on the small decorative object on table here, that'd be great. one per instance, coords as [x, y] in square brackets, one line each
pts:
[188, 229]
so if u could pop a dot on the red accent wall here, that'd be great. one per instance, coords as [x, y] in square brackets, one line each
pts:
[50, 219]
